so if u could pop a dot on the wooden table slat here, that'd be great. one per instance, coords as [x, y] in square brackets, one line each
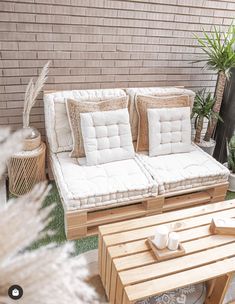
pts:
[147, 257]
[165, 217]
[165, 268]
[196, 275]
[136, 234]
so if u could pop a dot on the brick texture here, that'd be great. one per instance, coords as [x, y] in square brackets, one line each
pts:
[102, 44]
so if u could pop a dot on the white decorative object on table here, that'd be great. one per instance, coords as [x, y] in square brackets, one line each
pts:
[173, 241]
[161, 237]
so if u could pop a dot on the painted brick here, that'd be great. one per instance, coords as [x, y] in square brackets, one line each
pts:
[6, 26]
[102, 44]
[52, 37]
[15, 17]
[49, 55]
[11, 36]
[36, 46]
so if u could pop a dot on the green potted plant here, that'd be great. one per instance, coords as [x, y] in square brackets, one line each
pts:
[231, 163]
[220, 57]
[203, 107]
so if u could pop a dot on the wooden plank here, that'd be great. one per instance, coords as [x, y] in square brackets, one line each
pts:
[136, 234]
[127, 248]
[125, 299]
[154, 205]
[113, 285]
[145, 258]
[173, 203]
[76, 218]
[192, 276]
[165, 268]
[166, 217]
[220, 289]
[108, 273]
[140, 245]
[218, 199]
[115, 214]
[3, 192]
[103, 263]
[218, 193]
[119, 292]
[100, 252]
[210, 286]
[76, 232]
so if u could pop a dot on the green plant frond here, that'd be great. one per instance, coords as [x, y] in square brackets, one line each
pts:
[218, 47]
[203, 105]
[218, 37]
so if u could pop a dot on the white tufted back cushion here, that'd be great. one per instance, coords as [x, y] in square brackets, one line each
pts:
[169, 131]
[157, 91]
[106, 136]
[57, 125]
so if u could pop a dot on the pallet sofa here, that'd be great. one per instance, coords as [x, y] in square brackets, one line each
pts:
[96, 195]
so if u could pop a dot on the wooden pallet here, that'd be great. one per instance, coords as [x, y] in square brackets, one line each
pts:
[85, 222]
[129, 271]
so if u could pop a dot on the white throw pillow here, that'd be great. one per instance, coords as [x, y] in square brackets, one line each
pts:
[107, 136]
[169, 131]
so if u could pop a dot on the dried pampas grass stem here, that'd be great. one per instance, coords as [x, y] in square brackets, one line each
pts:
[32, 91]
[49, 274]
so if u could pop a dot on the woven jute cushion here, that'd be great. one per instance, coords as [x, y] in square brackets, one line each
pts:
[74, 108]
[144, 102]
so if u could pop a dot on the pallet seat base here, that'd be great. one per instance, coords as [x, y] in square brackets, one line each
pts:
[84, 223]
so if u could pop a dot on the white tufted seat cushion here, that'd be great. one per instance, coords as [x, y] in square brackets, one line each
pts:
[106, 136]
[58, 130]
[181, 171]
[169, 130]
[110, 184]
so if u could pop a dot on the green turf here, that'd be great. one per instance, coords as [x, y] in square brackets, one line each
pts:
[57, 225]
[230, 195]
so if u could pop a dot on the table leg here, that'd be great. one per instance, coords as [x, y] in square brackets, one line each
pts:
[125, 299]
[210, 286]
[217, 294]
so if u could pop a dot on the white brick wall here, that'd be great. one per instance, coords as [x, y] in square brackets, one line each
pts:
[102, 44]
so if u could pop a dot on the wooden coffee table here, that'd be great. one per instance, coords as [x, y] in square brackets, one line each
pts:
[129, 270]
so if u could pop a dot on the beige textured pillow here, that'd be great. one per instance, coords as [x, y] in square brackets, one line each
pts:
[143, 103]
[74, 108]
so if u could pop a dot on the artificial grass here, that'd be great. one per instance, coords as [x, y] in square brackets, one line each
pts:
[57, 225]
